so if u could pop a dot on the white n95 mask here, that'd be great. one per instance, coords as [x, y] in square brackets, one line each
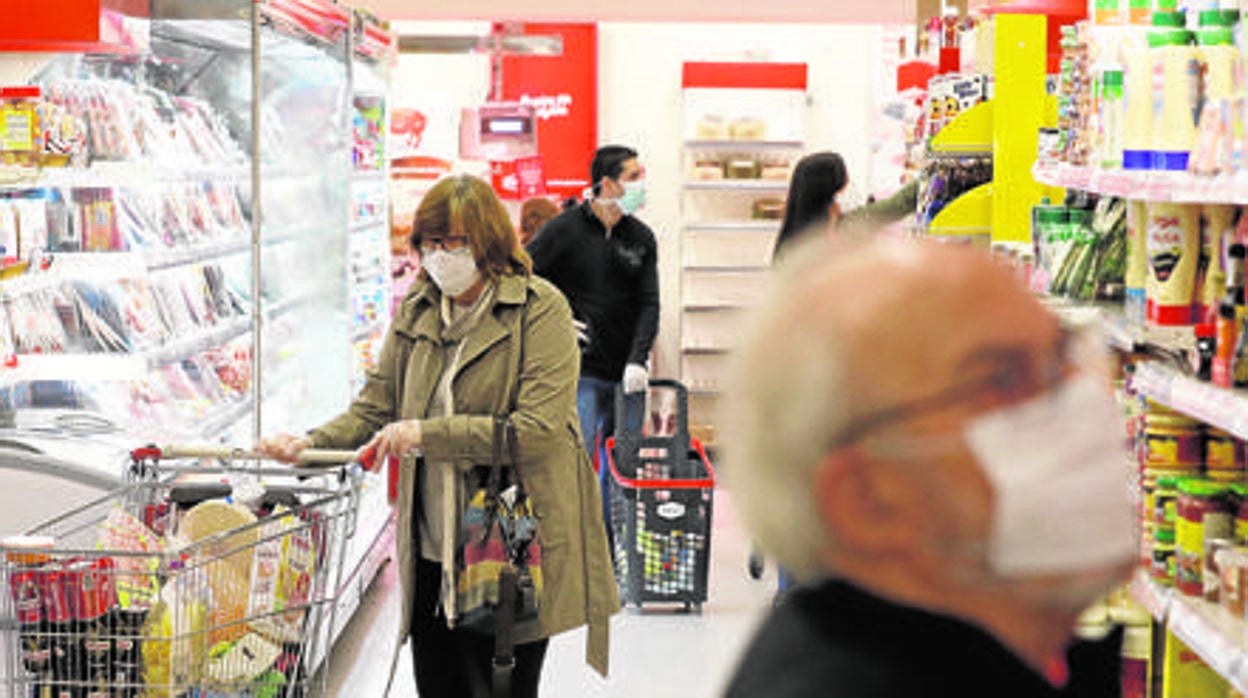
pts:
[1058, 468]
[454, 271]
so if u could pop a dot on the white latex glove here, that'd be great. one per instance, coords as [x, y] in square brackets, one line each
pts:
[395, 439]
[582, 333]
[283, 447]
[636, 379]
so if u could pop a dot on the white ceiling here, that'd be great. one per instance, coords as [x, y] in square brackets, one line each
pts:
[832, 11]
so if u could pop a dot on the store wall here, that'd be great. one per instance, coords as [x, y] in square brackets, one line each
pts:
[640, 105]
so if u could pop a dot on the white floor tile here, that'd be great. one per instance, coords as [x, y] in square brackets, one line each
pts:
[655, 653]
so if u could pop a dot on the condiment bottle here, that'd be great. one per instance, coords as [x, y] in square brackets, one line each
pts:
[1204, 512]
[1176, 89]
[1173, 257]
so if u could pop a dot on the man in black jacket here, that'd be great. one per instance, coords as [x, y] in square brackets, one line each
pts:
[605, 260]
[940, 459]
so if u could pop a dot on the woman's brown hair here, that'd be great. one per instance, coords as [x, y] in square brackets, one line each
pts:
[465, 205]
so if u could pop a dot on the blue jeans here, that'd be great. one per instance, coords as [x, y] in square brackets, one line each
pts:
[595, 402]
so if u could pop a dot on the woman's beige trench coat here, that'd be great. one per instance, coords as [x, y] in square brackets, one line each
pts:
[579, 586]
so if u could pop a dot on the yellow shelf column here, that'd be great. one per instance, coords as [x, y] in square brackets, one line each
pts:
[1021, 110]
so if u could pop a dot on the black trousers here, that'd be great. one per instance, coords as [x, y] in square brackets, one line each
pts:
[459, 663]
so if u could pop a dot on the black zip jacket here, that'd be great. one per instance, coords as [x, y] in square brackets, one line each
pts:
[835, 640]
[611, 282]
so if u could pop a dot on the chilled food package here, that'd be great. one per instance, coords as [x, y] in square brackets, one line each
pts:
[711, 127]
[747, 128]
[707, 170]
[741, 168]
[771, 209]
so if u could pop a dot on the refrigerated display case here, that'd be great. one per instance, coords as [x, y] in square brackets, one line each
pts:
[182, 229]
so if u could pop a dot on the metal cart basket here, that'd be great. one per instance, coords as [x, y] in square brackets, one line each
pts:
[661, 490]
[195, 579]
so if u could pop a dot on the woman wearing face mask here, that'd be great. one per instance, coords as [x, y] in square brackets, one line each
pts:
[478, 336]
[819, 181]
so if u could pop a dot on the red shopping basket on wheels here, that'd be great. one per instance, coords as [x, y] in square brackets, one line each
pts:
[661, 491]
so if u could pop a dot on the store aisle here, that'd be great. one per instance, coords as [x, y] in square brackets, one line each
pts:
[655, 653]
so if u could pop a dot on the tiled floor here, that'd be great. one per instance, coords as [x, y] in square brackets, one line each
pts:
[655, 653]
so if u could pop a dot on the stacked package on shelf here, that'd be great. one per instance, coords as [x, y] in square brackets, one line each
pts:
[1081, 252]
[1077, 106]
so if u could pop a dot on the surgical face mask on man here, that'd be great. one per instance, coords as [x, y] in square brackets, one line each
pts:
[630, 202]
[454, 271]
[1061, 525]
[1058, 469]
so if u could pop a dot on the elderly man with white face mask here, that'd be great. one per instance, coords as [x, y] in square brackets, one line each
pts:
[918, 439]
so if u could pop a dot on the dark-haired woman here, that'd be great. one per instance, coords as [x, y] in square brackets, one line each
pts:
[819, 180]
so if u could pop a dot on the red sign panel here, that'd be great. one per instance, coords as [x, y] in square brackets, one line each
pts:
[564, 92]
[519, 179]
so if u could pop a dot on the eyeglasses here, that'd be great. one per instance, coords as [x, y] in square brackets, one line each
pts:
[1008, 375]
[431, 243]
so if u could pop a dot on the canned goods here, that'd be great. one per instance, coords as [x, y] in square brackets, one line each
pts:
[1203, 512]
[1213, 575]
[96, 592]
[24, 586]
[1172, 441]
[57, 592]
[1240, 491]
[1220, 451]
[1163, 557]
[1165, 502]
[1233, 565]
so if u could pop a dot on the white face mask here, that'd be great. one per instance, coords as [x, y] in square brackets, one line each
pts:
[454, 271]
[1058, 469]
[632, 201]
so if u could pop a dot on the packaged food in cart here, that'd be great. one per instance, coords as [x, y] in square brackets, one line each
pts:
[166, 588]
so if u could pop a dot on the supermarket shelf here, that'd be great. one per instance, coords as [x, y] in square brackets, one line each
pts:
[105, 175]
[369, 224]
[1177, 187]
[229, 415]
[759, 226]
[1224, 408]
[165, 258]
[743, 145]
[761, 185]
[1208, 629]
[72, 367]
[210, 339]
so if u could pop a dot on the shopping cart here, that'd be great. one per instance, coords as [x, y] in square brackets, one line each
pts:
[207, 574]
[662, 489]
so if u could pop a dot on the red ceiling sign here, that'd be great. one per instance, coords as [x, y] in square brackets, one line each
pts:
[564, 93]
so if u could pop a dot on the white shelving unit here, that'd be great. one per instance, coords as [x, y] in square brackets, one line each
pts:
[725, 250]
[735, 185]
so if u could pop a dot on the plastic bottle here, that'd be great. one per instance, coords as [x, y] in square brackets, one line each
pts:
[1112, 117]
[1137, 132]
[1176, 91]
[1173, 256]
[1108, 12]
